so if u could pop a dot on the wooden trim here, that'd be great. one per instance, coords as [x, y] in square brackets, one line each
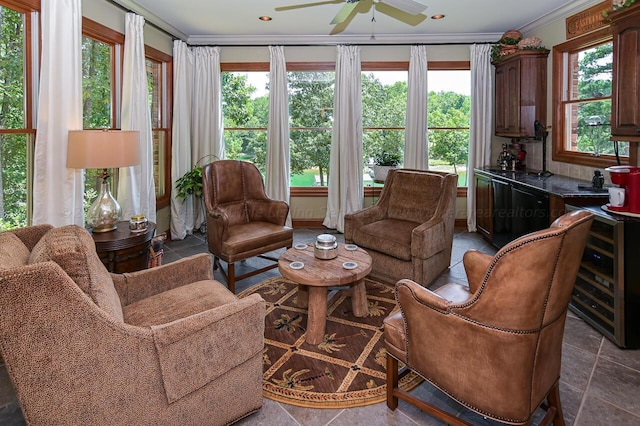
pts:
[23, 6]
[331, 66]
[100, 32]
[309, 191]
[308, 223]
[244, 66]
[157, 55]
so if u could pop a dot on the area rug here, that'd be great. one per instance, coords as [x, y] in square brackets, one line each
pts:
[347, 369]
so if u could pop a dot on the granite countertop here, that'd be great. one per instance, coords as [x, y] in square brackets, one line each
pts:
[558, 185]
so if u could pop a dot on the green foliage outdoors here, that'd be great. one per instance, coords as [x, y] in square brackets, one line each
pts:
[13, 146]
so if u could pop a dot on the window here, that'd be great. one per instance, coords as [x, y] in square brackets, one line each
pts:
[311, 92]
[17, 134]
[101, 55]
[582, 94]
[159, 78]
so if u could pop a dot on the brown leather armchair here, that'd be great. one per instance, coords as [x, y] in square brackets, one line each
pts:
[242, 222]
[409, 232]
[495, 346]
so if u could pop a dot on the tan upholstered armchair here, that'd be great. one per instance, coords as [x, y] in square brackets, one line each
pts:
[242, 222]
[495, 346]
[409, 232]
[164, 346]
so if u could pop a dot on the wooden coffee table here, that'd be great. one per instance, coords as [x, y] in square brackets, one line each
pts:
[318, 275]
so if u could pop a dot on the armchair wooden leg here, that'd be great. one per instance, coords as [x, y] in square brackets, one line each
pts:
[392, 382]
[554, 410]
[231, 279]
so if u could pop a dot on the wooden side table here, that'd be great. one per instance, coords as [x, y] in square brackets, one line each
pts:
[122, 250]
[318, 275]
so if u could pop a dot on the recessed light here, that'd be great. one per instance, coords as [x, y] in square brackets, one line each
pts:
[265, 18]
[438, 16]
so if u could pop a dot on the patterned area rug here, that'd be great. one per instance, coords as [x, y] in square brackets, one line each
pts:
[346, 370]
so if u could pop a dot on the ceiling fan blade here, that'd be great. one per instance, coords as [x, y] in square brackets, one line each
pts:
[398, 14]
[300, 6]
[344, 12]
[407, 6]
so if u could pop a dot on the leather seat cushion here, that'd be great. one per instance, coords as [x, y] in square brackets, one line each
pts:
[389, 236]
[177, 303]
[254, 235]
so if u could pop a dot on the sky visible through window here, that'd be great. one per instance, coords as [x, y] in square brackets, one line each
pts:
[439, 81]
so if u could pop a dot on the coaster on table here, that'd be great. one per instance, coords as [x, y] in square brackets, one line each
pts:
[300, 246]
[296, 265]
[349, 265]
[351, 247]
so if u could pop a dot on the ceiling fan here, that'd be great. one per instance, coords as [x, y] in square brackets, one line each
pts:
[400, 9]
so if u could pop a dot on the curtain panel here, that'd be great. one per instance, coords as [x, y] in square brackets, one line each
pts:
[416, 145]
[345, 163]
[278, 169]
[136, 187]
[481, 125]
[197, 136]
[58, 192]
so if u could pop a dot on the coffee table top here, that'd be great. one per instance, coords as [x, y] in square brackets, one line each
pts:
[325, 273]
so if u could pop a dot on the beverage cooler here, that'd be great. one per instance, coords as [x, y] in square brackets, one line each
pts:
[607, 290]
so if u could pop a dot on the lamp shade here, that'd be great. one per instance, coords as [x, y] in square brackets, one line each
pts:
[103, 149]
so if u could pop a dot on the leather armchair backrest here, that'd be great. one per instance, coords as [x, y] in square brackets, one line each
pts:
[529, 283]
[414, 195]
[230, 185]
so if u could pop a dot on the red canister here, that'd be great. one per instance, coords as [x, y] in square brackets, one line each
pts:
[633, 191]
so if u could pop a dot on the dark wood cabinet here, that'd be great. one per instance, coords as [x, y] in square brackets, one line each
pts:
[484, 206]
[625, 95]
[521, 93]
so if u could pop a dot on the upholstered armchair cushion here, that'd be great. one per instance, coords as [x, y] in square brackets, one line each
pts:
[73, 249]
[188, 352]
[13, 252]
[409, 232]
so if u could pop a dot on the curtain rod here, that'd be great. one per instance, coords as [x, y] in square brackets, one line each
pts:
[340, 44]
[146, 21]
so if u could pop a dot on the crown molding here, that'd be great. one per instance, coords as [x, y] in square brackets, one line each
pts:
[332, 40]
[151, 18]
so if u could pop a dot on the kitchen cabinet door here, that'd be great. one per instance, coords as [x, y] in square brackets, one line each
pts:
[521, 93]
[625, 95]
[484, 206]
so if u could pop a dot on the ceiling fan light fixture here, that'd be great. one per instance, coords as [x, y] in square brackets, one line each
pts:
[265, 18]
[438, 16]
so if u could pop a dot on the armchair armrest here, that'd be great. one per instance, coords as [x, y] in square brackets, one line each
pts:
[198, 349]
[272, 211]
[476, 264]
[139, 285]
[428, 238]
[218, 223]
[357, 220]
[409, 293]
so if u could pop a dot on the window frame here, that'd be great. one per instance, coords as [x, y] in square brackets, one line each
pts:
[166, 101]
[560, 98]
[369, 191]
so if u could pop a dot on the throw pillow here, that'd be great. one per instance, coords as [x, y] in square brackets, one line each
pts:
[73, 249]
[13, 252]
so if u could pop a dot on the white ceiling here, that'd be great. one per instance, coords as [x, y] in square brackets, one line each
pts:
[232, 22]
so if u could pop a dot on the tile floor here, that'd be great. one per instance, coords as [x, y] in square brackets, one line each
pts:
[600, 383]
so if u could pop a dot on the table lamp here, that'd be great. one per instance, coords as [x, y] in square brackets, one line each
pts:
[103, 149]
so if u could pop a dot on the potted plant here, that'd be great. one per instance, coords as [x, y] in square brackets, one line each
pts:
[383, 162]
[190, 184]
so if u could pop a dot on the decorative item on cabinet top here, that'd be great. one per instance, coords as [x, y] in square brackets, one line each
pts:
[511, 42]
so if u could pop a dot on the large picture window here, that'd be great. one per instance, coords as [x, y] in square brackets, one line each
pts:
[384, 98]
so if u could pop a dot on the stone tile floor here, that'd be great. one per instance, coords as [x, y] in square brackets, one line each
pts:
[600, 383]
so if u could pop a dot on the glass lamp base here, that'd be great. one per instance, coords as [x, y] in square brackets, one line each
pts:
[105, 212]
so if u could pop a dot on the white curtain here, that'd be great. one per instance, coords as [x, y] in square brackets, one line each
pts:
[277, 179]
[181, 211]
[481, 126]
[416, 144]
[197, 125]
[345, 164]
[136, 187]
[207, 129]
[57, 190]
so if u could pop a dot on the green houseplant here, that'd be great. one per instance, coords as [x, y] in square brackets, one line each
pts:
[384, 161]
